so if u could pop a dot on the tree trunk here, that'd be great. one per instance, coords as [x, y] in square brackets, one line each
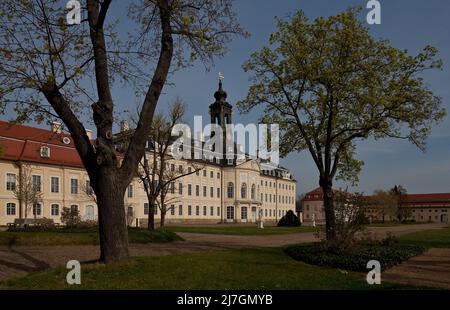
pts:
[111, 217]
[151, 216]
[330, 217]
[163, 218]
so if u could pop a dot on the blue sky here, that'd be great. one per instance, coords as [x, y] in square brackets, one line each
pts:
[408, 24]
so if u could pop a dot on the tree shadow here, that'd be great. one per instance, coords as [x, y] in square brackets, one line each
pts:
[36, 264]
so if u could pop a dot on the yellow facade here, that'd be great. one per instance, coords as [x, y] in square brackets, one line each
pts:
[204, 197]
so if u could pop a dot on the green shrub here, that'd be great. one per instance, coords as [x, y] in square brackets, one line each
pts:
[388, 253]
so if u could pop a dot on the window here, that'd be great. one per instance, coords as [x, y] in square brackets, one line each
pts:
[197, 172]
[130, 191]
[55, 209]
[230, 213]
[89, 190]
[244, 213]
[146, 208]
[180, 210]
[204, 191]
[204, 211]
[244, 190]
[189, 189]
[211, 211]
[37, 209]
[218, 175]
[37, 183]
[197, 190]
[218, 192]
[172, 187]
[172, 210]
[189, 210]
[211, 174]
[54, 182]
[230, 189]
[10, 208]
[45, 152]
[211, 191]
[180, 188]
[189, 169]
[74, 186]
[204, 172]
[253, 191]
[74, 208]
[180, 169]
[130, 211]
[10, 182]
[218, 211]
[197, 210]
[265, 212]
[172, 167]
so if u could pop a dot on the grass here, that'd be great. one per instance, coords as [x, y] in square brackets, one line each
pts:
[252, 269]
[434, 238]
[79, 238]
[242, 230]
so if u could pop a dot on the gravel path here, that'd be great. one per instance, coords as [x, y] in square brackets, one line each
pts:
[20, 260]
[429, 269]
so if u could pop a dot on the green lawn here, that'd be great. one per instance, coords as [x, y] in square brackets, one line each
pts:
[78, 238]
[434, 238]
[241, 230]
[225, 270]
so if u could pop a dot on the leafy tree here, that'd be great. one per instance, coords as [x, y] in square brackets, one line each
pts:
[51, 69]
[328, 83]
[384, 203]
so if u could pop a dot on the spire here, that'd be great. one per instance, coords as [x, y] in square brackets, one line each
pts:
[220, 94]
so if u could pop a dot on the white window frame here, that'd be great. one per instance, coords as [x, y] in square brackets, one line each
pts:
[51, 184]
[6, 181]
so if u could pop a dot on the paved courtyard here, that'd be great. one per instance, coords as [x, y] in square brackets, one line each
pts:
[20, 260]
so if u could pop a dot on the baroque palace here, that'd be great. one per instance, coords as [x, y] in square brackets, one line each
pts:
[222, 191]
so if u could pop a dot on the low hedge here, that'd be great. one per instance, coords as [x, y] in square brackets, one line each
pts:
[355, 258]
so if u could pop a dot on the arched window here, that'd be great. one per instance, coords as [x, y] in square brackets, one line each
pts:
[244, 190]
[230, 190]
[253, 192]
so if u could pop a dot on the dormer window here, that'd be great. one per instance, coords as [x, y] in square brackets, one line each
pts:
[45, 151]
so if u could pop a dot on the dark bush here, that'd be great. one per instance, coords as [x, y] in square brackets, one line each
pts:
[388, 253]
[289, 220]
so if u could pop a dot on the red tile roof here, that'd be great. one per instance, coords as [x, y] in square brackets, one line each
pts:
[315, 195]
[20, 142]
[408, 199]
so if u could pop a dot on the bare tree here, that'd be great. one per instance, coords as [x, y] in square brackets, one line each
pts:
[50, 69]
[158, 170]
[27, 192]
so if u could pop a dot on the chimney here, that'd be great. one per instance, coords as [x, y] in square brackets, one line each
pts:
[55, 127]
[89, 133]
[124, 126]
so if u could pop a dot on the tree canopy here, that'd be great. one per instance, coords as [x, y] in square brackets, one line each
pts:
[328, 83]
